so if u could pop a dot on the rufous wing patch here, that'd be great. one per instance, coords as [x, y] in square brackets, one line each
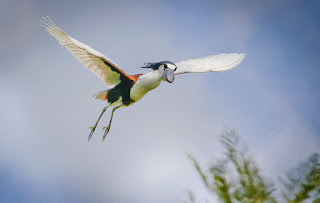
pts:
[134, 77]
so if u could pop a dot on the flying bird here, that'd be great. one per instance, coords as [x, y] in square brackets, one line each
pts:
[124, 89]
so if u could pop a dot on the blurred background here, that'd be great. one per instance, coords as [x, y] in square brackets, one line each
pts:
[271, 99]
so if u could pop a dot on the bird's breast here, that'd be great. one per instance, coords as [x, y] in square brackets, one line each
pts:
[143, 85]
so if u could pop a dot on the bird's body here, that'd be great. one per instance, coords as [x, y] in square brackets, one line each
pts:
[127, 89]
[132, 91]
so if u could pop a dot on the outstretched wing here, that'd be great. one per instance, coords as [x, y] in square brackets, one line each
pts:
[95, 61]
[213, 63]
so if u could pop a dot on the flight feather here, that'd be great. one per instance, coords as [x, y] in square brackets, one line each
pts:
[95, 61]
[213, 63]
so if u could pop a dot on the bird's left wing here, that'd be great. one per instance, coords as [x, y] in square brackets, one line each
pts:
[95, 61]
[213, 63]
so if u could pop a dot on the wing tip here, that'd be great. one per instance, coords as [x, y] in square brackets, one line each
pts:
[242, 55]
[233, 64]
[48, 24]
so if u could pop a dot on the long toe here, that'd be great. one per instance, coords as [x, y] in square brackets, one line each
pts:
[106, 132]
[91, 133]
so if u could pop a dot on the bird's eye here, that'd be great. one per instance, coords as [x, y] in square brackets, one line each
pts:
[165, 66]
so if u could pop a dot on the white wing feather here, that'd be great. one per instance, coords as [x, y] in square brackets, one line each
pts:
[213, 63]
[95, 61]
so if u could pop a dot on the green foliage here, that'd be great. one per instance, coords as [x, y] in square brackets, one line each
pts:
[303, 182]
[237, 178]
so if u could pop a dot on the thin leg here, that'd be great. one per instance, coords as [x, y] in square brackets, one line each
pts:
[95, 125]
[108, 127]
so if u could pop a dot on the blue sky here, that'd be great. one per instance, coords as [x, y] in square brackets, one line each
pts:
[271, 99]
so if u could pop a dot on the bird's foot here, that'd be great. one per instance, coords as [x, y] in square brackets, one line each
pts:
[92, 131]
[105, 132]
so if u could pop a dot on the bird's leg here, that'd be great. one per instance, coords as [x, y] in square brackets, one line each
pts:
[108, 127]
[95, 125]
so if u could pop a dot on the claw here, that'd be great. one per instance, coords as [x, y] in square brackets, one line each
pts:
[91, 133]
[106, 132]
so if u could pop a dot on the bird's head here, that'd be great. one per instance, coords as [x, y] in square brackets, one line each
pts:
[167, 67]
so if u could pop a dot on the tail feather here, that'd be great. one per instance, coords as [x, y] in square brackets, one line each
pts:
[101, 95]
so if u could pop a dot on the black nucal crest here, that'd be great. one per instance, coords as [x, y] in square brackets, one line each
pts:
[156, 65]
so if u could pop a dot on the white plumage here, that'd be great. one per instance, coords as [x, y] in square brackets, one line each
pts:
[213, 63]
[90, 58]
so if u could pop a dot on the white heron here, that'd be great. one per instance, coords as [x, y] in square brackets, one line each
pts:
[124, 89]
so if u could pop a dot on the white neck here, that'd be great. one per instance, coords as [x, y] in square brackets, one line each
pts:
[145, 83]
[155, 74]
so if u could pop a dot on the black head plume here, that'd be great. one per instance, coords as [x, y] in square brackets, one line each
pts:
[156, 65]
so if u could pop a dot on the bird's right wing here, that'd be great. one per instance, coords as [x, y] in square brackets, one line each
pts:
[213, 63]
[95, 61]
